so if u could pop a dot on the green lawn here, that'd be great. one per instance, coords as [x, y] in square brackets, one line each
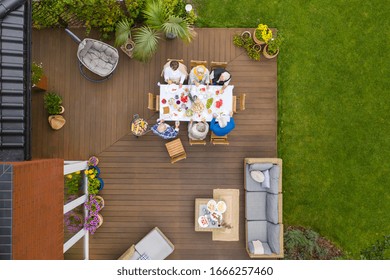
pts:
[334, 108]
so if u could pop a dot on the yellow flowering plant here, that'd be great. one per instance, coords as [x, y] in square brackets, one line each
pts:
[263, 33]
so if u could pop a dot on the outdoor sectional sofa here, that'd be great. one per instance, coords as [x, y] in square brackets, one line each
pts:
[263, 207]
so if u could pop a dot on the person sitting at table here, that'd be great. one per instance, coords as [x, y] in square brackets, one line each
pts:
[199, 75]
[164, 130]
[175, 72]
[222, 124]
[199, 130]
[220, 77]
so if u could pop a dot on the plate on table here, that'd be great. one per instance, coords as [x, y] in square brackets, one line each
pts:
[172, 88]
[221, 207]
[211, 205]
[216, 217]
[203, 221]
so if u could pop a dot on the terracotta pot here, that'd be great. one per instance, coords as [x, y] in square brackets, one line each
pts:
[56, 121]
[62, 110]
[257, 48]
[259, 42]
[128, 48]
[101, 203]
[246, 34]
[267, 55]
[100, 220]
[41, 85]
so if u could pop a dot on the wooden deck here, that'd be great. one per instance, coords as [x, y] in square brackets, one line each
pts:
[143, 189]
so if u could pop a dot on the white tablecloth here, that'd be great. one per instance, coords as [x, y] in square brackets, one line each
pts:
[171, 99]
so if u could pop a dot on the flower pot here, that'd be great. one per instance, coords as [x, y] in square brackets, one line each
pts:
[267, 55]
[93, 161]
[128, 48]
[56, 121]
[101, 201]
[246, 35]
[101, 183]
[257, 41]
[97, 169]
[257, 48]
[41, 85]
[62, 110]
[100, 220]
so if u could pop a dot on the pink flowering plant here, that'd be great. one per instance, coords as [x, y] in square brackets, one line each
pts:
[91, 223]
[93, 161]
[73, 221]
[93, 205]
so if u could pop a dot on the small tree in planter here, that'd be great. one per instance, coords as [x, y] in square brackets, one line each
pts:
[123, 37]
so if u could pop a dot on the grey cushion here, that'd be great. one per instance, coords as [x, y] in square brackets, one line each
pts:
[135, 256]
[266, 183]
[154, 245]
[272, 208]
[267, 250]
[255, 206]
[257, 230]
[260, 166]
[274, 177]
[273, 234]
[250, 184]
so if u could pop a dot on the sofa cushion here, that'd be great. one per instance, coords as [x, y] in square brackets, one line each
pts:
[250, 184]
[266, 184]
[154, 245]
[260, 166]
[272, 208]
[273, 236]
[135, 256]
[257, 230]
[267, 250]
[255, 206]
[257, 175]
[274, 173]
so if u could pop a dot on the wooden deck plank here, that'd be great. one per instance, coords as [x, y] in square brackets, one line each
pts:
[142, 188]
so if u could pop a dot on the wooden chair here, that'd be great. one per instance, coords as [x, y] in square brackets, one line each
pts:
[153, 102]
[241, 100]
[218, 64]
[197, 142]
[194, 63]
[179, 60]
[176, 150]
[218, 140]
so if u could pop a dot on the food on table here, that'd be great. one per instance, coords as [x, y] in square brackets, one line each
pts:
[215, 216]
[189, 113]
[184, 98]
[221, 207]
[209, 111]
[209, 103]
[197, 106]
[175, 106]
[217, 92]
[203, 221]
[166, 110]
[203, 89]
[163, 101]
[219, 103]
[171, 101]
[177, 102]
[211, 205]
[176, 96]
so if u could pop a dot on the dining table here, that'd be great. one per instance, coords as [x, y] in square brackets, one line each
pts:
[194, 102]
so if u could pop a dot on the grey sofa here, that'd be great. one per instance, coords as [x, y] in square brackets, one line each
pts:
[263, 207]
[154, 246]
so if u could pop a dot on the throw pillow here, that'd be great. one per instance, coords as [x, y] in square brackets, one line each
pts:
[144, 257]
[257, 175]
[266, 182]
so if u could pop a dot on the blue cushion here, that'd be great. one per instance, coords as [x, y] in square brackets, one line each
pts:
[255, 205]
[266, 183]
[260, 166]
[272, 208]
[257, 230]
[273, 236]
[274, 178]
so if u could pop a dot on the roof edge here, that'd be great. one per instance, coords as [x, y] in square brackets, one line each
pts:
[7, 6]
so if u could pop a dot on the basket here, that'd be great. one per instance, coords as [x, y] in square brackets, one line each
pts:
[56, 121]
[139, 126]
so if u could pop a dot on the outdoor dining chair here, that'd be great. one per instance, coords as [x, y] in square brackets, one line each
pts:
[217, 64]
[194, 63]
[176, 150]
[98, 57]
[241, 100]
[218, 140]
[197, 142]
[153, 102]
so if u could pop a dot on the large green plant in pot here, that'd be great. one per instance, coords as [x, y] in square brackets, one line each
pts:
[159, 21]
[52, 102]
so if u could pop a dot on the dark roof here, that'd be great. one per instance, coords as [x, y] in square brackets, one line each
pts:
[15, 88]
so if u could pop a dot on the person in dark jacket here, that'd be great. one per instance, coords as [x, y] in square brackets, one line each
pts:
[220, 77]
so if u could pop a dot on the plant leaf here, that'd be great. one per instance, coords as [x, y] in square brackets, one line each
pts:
[146, 43]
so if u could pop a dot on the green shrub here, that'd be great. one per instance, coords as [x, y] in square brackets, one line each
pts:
[248, 44]
[306, 244]
[47, 13]
[52, 102]
[73, 183]
[36, 72]
[134, 8]
[380, 250]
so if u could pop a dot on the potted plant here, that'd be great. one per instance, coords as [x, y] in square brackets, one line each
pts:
[271, 50]
[38, 79]
[123, 37]
[262, 34]
[93, 222]
[72, 183]
[94, 184]
[52, 102]
[159, 20]
[93, 161]
[94, 204]
[73, 221]
[246, 42]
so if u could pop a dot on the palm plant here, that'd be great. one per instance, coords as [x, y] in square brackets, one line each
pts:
[122, 32]
[159, 21]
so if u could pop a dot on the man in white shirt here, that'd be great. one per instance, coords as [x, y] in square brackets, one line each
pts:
[175, 72]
